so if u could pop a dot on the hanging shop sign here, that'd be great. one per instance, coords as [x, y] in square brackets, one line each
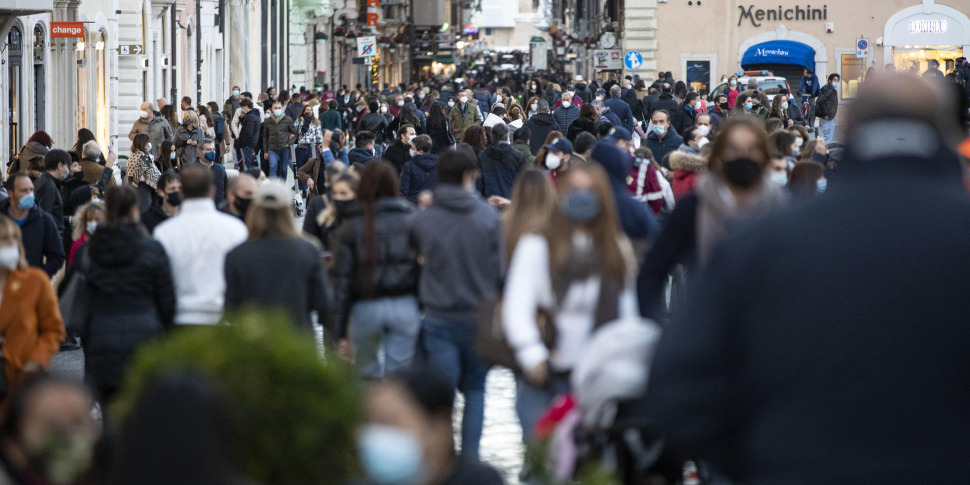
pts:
[67, 30]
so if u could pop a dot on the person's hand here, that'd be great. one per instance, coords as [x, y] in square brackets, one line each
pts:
[266, 156]
[425, 199]
[33, 367]
[790, 123]
[498, 201]
[111, 159]
[309, 184]
[344, 351]
[540, 375]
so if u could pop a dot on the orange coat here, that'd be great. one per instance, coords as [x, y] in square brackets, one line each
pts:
[31, 321]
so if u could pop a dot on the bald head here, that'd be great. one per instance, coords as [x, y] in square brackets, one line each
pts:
[928, 102]
[146, 107]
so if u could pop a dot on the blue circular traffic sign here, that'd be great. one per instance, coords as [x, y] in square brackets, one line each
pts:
[862, 44]
[633, 60]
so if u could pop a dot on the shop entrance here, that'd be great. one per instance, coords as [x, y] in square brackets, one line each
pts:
[918, 59]
[784, 58]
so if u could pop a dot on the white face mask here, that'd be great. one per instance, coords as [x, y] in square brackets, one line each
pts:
[9, 257]
[799, 142]
[599, 98]
[451, 104]
[704, 129]
[383, 109]
[553, 161]
[410, 139]
[702, 142]
[784, 105]
[566, 104]
[463, 99]
[143, 114]
[91, 227]
[400, 103]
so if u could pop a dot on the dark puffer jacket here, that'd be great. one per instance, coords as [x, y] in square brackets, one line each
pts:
[132, 300]
[580, 125]
[541, 125]
[396, 270]
[420, 174]
[500, 165]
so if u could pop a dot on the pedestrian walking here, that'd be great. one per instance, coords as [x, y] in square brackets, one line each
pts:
[278, 133]
[151, 123]
[167, 202]
[310, 140]
[188, 136]
[827, 106]
[420, 174]
[500, 164]
[42, 243]
[142, 173]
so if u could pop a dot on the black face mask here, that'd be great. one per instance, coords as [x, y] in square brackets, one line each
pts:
[742, 172]
[723, 106]
[78, 176]
[174, 199]
[343, 206]
[242, 205]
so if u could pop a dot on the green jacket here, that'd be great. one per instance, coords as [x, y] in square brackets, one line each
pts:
[330, 120]
[276, 133]
[526, 152]
[459, 122]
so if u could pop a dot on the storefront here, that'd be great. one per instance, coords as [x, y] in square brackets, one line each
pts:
[917, 37]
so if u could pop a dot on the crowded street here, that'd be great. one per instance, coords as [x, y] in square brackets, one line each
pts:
[486, 242]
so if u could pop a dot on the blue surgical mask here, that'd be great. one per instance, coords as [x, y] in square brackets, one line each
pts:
[148, 147]
[580, 206]
[210, 156]
[779, 178]
[659, 130]
[235, 92]
[748, 106]
[65, 175]
[277, 112]
[91, 227]
[390, 455]
[27, 202]
[171, 156]
[822, 184]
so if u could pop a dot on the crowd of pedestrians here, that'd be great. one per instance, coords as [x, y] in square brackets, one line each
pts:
[450, 228]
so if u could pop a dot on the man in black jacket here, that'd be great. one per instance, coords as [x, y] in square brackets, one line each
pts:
[500, 164]
[42, 241]
[375, 123]
[400, 151]
[827, 106]
[541, 124]
[248, 134]
[665, 101]
[815, 338]
[620, 108]
[47, 188]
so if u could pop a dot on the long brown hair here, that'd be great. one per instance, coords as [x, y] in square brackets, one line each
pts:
[803, 181]
[540, 160]
[722, 143]
[377, 180]
[604, 229]
[534, 202]
[475, 137]
[9, 227]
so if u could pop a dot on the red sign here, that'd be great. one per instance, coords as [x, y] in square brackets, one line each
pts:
[61, 30]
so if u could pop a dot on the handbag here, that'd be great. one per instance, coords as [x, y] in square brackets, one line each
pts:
[75, 302]
[493, 348]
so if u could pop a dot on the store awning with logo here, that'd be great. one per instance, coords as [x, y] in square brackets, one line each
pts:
[779, 52]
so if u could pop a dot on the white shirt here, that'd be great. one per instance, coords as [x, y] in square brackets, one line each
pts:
[528, 287]
[197, 241]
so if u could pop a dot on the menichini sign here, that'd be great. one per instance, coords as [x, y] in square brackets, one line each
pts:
[781, 13]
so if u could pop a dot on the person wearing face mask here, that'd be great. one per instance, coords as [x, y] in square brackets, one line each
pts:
[718, 112]
[47, 188]
[85, 222]
[232, 104]
[309, 142]
[784, 143]
[665, 101]
[567, 111]
[420, 172]
[568, 95]
[207, 157]
[687, 169]
[749, 104]
[312, 174]
[462, 115]
[152, 124]
[327, 211]
[48, 435]
[686, 116]
[736, 190]
[807, 181]
[399, 152]
[779, 110]
[453, 287]
[576, 267]
[500, 164]
[239, 196]
[557, 157]
[248, 137]
[731, 91]
[827, 106]
[533, 90]
[30, 321]
[408, 437]
[694, 140]
[278, 133]
[395, 107]
[167, 203]
[541, 124]
[131, 291]
[41, 239]
[662, 139]
[794, 108]
[778, 169]
[142, 173]
[187, 139]
[532, 106]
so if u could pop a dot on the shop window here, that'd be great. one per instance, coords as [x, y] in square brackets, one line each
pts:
[699, 76]
[917, 59]
[852, 69]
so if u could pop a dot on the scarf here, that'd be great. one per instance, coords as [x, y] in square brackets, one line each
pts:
[718, 213]
[582, 263]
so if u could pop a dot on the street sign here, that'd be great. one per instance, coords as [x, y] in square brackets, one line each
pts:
[62, 30]
[537, 54]
[862, 47]
[367, 46]
[633, 60]
[130, 50]
[608, 60]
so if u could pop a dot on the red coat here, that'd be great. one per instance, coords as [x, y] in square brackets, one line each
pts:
[688, 168]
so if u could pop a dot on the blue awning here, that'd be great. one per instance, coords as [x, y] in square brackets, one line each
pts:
[780, 52]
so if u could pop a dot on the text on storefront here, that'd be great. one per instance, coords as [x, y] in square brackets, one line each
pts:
[781, 13]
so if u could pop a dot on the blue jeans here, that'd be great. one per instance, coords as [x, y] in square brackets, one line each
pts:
[531, 403]
[828, 130]
[246, 160]
[302, 157]
[279, 160]
[450, 349]
[390, 324]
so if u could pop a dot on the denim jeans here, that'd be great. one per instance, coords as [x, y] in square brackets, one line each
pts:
[828, 130]
[302, 157]
[390, 324]
[246, 161]
[531, 403]
[450, 349]
[279, 160]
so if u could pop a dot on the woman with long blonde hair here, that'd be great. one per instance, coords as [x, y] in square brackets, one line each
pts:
[578, 267]
[534, 201]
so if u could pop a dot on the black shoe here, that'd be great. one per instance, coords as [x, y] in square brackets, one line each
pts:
[72, 342]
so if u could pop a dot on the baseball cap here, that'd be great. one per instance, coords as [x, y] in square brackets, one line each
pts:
[601, 91]
[273, 195]
[570, 88]
[560, 145]
[620, 133]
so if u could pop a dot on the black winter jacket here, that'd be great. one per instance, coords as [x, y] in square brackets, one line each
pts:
[398, 154]
[132, 299]
[395, 272]
[664, 101]
[375, 123]
[500, 165]
[249, 130]
[47, 192]
[580, 125]
[541, 124]
[41, 239]
[420, 173]
[827, 104]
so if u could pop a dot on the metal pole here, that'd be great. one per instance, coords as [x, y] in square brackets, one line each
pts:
[198, 52]
[333, 67]
[173, 56]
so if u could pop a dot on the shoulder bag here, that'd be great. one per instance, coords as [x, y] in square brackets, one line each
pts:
[75, 302]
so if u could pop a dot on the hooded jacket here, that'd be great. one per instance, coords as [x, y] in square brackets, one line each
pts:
[360, 155]
[249, 131]
[635, 217]
[500, 165]
[687, 169]
[29, 152]
[132, 299]
[580, 125]
[41, 239]
[375, 123]
[419, 174]
[395, 272]
[664, 101]
[460, 238]
[525, 150]
[541, 125]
